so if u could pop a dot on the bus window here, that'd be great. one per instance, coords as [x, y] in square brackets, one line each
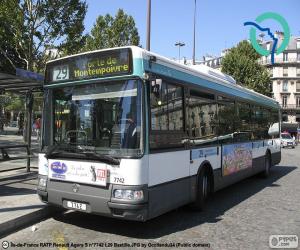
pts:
[159, 105]
[273, 131]
[227, 116]
[260, 122]
[166, 104]
[202, 118]
[243, 122]
[175, 110]
[101, 117]
[266, 123]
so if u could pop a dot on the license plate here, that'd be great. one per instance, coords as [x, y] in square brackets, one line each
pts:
[76, 205]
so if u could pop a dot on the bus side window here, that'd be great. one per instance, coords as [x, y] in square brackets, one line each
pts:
[159, 105]
[226, 118]
[203, 118]
[166, 107]
[257, 122]
[242, 126]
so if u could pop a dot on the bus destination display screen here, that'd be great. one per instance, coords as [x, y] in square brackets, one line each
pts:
[89, 66]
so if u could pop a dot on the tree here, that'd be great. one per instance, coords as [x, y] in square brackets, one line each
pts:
[14, 103]
[111, 31]
[241, 63]
[37, 25]
[9, 57]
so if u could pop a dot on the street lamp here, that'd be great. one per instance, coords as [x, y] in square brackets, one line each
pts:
[179, 44]
[148, 25]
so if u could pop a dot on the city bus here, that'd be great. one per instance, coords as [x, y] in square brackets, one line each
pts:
[129, 134]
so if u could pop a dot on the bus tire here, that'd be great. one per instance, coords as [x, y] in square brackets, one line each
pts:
[203, 189]
[266, 172]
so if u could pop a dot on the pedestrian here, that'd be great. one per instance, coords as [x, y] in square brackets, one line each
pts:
[37, 126]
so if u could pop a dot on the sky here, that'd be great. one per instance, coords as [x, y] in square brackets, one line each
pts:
[219, 23]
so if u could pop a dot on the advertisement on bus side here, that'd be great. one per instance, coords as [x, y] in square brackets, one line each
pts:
[236, 157]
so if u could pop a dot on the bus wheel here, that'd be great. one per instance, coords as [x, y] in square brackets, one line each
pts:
[203, 189]
[266, 172]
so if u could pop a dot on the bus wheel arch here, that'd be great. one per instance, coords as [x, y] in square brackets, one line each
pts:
[204, 185]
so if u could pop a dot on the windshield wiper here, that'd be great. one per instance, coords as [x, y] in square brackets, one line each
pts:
[79, 153]
[104, 158]
[51, 149]
[60, 148]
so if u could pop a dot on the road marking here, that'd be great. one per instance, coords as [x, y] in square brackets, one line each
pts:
[59, 239]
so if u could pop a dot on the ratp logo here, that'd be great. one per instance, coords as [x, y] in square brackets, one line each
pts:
[285, 28]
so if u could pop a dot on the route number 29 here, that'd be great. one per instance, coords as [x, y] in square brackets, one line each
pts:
[60, 73]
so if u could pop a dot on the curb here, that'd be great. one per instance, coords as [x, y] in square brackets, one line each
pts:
[21, 222]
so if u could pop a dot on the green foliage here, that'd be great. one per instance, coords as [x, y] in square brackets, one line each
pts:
[13, 102]
[16, 103]
[111, 31]
[241, 63]
[10, 19]
[32, 26]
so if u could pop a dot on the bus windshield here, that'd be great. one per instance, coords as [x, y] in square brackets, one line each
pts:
[102, 117]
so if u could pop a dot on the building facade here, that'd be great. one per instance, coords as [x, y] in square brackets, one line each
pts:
[285, 75]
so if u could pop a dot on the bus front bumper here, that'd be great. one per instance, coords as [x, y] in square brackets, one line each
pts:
[96, 200]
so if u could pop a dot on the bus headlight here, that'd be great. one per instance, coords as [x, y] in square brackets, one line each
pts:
[42, 182]
[135, 195]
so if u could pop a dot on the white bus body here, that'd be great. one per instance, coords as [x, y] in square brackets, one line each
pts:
[131, 135]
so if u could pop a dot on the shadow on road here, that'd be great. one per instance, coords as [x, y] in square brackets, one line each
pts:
[18, 184]
[20, 208]
[13, 139]
[13, 191]
[182, 218]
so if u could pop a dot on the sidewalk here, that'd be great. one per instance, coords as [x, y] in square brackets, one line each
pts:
[19, 203]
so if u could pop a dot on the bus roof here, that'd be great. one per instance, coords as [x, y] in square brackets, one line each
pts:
[213, 79]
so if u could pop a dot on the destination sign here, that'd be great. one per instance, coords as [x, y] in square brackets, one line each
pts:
[91, 65]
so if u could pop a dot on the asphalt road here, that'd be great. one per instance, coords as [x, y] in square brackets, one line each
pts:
[242, 216]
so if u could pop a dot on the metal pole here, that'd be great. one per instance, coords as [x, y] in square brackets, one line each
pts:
[28, 136]
[194, 43]
[148, 25]
[29, 103]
